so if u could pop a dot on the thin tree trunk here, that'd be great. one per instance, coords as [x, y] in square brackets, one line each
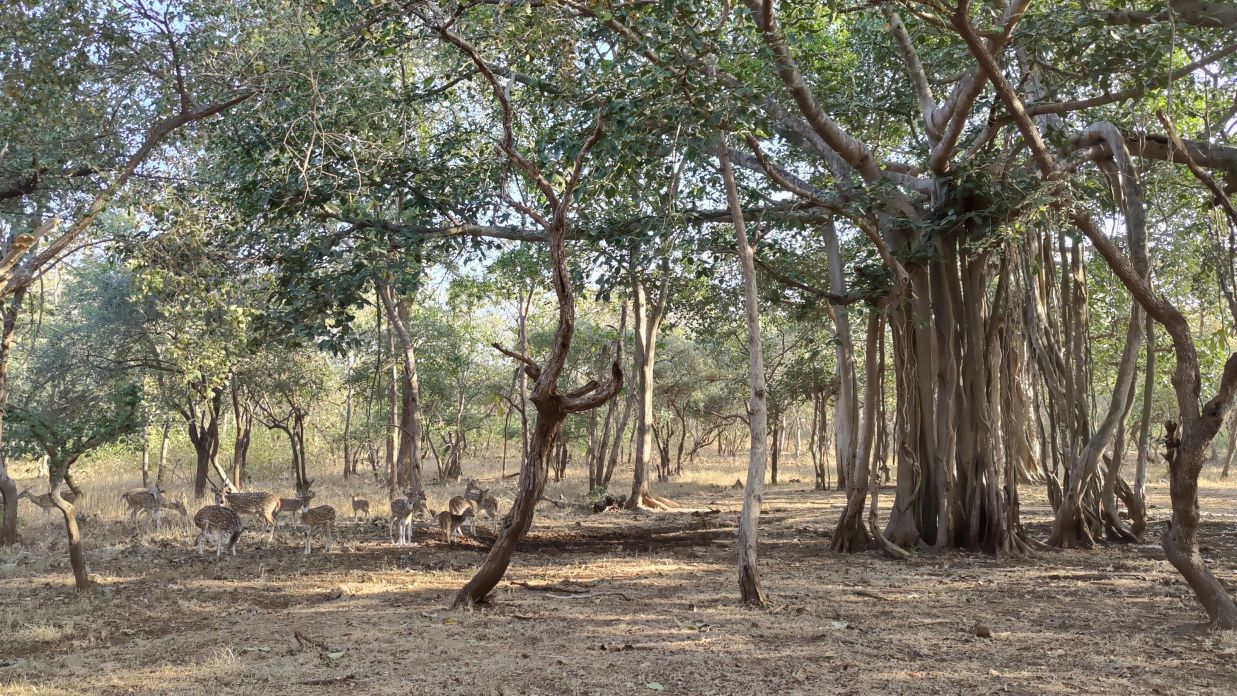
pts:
[348, 467]
[526, 305]
[145, 458]
[750, 590]
[850, 535]
[1138, 509]
[1232, 448]
[163, 454]
[647, 317]
[244, 433]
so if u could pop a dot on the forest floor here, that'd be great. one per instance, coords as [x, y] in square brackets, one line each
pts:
[641, 603]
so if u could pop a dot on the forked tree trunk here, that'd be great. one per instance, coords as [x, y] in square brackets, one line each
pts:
[244, 434]
[204, 435]
[77, 557]
[552, 407]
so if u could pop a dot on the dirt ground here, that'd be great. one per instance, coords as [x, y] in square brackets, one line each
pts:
[641, 603]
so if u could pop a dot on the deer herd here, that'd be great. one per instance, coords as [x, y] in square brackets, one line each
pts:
[221, 522]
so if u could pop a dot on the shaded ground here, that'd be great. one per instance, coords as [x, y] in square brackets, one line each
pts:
[644, 604]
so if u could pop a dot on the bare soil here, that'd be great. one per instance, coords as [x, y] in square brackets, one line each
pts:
[610, 603]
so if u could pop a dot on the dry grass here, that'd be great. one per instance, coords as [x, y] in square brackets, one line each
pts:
[647, 601]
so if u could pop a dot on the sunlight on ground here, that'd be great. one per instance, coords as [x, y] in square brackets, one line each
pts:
[612, 603]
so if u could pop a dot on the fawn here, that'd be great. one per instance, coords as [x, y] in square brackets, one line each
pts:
[360, 505]
[459, 505]
[317, 517]
[220, 522]
[292, 506]
[451, 522]
[402, 512]
[264, 505]
[141, 501]
[485, 503]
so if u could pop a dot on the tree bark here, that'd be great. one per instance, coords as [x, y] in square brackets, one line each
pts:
[204, 435]
[850, 535]
[750, 590]
[348, 456]
[647, 316]
[409, 461]
[1186, 444]
[1138, 508]
[244, 433]
[846, 412]
[77, 556]
[8, 487]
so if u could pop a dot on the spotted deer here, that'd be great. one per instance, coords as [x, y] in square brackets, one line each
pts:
[141, 501]
[451, 522]
[403, 510]
[360, 505]
[44, 501]
[264, 505]
[459, 504]
[484, 502]
[319, 517]
[292, 506]
[221, 523]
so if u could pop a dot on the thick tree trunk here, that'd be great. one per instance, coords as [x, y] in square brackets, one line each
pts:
[409, 460]
[846, 416]
[77, 556]
[392, 399]
[1186, 454]
[750, 590]
[533, 474]
[8, 492]
[1199, 422]
[8, 487]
